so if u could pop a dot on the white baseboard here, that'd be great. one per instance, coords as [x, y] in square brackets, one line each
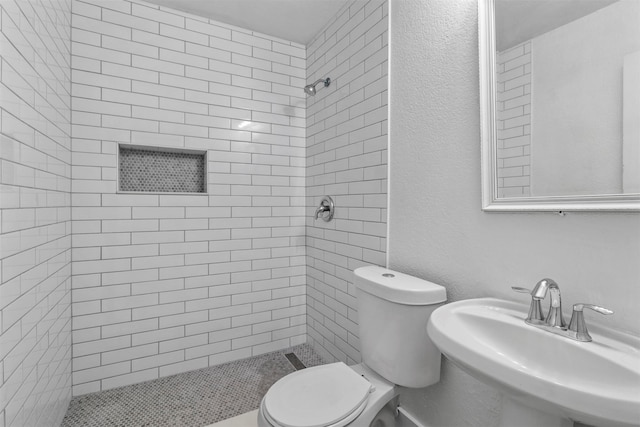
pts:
[409, 420]
[250, 419]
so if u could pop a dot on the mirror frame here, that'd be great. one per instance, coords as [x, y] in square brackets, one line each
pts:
[490, 201]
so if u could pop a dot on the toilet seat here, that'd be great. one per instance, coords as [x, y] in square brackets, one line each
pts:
[327, 395]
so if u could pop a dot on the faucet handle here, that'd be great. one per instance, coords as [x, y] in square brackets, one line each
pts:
[577, 323]
[535, 316]
[597, 308]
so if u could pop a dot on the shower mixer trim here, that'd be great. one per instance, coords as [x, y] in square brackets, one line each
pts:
[326, 208]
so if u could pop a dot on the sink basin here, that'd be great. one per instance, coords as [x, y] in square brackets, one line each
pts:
[545, 378]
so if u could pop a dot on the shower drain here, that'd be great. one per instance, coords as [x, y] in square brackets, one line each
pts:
[293, 359]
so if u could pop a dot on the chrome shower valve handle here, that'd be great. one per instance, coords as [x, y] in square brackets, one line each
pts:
[326, 208]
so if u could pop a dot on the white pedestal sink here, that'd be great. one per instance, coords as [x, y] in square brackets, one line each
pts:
[546, 379]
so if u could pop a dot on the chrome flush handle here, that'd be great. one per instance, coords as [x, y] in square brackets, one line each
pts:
[577, 324]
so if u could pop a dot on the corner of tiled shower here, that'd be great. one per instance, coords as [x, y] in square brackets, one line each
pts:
[347, 159]
[164, 284]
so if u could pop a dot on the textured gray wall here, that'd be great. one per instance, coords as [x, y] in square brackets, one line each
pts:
[437, 228]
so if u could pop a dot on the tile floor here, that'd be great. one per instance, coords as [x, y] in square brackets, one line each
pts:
[193, 399]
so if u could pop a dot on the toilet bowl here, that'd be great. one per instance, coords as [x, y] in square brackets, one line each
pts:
[393, 310]
[333, 395]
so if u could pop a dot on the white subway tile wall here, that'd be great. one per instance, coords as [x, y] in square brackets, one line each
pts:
[347, 160]
[513, 109]
[35, 212]
[166, 283]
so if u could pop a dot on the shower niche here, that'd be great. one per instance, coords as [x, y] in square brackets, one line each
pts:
[144, 169]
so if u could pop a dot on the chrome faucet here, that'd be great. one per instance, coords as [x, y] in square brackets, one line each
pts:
[553, 321]
[539, 292]
[554, 315]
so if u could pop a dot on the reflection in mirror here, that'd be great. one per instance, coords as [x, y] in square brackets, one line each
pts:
[567, 98]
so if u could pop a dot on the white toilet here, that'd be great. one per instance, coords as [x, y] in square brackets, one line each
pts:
[393, 310]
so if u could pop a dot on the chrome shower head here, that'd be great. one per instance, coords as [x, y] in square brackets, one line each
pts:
[311, 88]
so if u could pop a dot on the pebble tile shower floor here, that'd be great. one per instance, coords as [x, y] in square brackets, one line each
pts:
[193, 399]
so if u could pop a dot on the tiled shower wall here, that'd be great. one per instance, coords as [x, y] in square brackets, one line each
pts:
[347, 160]
[168, 283]
[35, 157]
[513, 108]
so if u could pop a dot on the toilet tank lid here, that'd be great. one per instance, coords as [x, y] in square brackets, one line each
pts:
[398, 287]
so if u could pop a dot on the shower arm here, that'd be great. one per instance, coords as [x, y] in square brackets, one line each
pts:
[326, 81]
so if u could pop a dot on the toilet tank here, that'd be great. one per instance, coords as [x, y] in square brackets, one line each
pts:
[393, 310]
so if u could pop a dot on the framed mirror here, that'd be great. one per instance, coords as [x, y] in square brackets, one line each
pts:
[560, 105]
